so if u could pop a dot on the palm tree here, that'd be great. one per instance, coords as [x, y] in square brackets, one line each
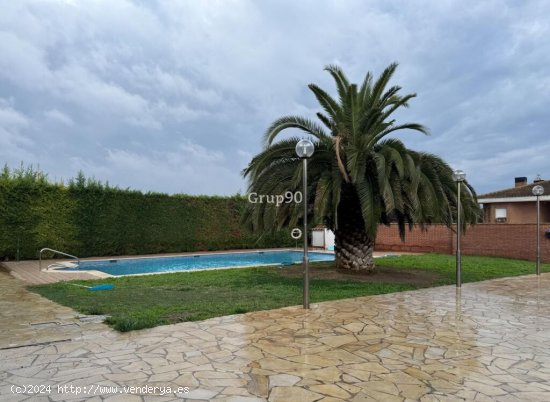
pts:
[358, 177]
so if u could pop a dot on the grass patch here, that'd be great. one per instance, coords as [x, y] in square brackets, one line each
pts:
[474, 268]
[146, 301]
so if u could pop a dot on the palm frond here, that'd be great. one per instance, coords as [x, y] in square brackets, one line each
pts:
[293, 122]
[326, 121]
[382, 81]
[326, 101]
[342, 83]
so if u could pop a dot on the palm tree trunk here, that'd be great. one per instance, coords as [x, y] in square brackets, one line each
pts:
[354, 251]
[354, 248]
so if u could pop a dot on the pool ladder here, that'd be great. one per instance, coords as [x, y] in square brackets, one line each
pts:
[55, 252]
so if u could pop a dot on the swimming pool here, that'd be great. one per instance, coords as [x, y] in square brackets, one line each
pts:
[132, 266]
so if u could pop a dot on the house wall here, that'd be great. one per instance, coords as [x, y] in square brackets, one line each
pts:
[499, 240]
[518, 212]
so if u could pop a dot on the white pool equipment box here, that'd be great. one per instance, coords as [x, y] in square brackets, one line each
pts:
[322, 237]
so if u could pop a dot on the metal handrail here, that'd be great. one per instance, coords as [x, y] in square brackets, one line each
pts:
[55, 252]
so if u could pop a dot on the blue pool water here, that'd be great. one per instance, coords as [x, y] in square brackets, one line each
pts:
[129, 266]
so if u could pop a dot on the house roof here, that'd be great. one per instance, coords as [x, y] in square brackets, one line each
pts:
[523, 192]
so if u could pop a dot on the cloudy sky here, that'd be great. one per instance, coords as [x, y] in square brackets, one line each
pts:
[174, 96]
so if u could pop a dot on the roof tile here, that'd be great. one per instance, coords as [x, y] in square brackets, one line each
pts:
[524, 191]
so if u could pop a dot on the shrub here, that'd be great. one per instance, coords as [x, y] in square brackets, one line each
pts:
[87, 218]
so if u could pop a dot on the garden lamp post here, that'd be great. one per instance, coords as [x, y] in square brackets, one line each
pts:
[538, 191]
[304, 150]
[458, 176]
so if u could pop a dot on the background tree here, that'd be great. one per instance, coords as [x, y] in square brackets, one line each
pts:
[358, 176]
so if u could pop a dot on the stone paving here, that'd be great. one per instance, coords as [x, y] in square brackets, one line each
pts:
[489, 342]
[27, 318]
[29, 272]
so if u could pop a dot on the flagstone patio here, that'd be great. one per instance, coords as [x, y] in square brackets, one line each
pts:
[488, 342]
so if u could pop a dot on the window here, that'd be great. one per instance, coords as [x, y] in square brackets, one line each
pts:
[500, 215]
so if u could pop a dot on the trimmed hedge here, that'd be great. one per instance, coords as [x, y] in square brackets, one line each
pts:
[87, 218]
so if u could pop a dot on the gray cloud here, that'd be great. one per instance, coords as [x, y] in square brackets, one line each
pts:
[59, 117]
[13, 142]
[175, 96]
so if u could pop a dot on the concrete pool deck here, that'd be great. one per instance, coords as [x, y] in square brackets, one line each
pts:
[488, 342]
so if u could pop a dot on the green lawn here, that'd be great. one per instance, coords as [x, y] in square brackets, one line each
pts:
[473, 268]
[147, 301]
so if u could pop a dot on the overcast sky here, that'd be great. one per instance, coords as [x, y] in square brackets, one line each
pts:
[174, 96]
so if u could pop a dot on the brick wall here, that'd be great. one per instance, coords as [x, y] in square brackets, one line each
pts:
[501, 240]
[435, 239]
